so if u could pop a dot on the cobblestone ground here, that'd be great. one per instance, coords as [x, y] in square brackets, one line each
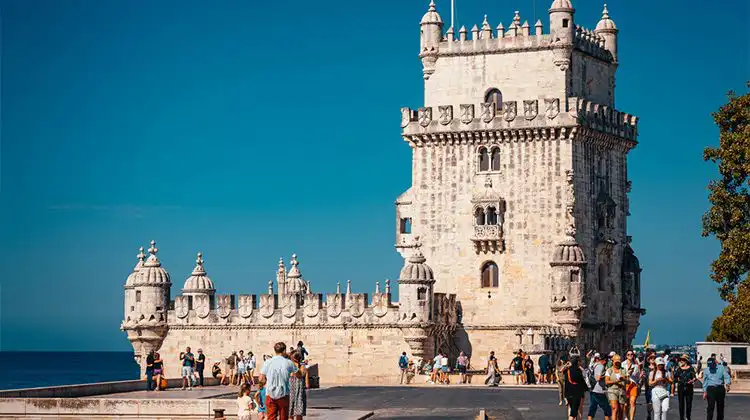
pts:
[465, 402]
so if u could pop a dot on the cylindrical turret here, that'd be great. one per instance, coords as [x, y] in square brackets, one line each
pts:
[561, 25]
[415, 289]
[607, 29]
[130, 288]
[431, 32]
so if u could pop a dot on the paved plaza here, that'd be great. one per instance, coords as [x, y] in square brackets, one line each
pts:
[465, 402]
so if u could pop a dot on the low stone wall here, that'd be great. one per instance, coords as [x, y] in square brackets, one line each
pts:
[102, 408]
[88, 390]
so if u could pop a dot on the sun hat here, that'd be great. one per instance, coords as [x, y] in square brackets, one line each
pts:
[612, 354]
[659, 361]
[685, 357]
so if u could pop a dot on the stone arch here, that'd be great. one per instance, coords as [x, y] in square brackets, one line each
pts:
[495, 159]
[483, 159]
[493, 95]
[479, 216]
[490, 274]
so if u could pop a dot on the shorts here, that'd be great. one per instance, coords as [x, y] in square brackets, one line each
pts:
[241, 371]
[187, 371]
[543, 370]
[631, 391]
[517, 372]
[157, 371]
[599, 401]
[445, 369]
[462, 369]
[615, 393]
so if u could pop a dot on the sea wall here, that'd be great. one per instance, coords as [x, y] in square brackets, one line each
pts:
[88, 390]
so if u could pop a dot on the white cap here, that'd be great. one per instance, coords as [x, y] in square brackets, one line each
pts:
[659, 361]
[612, 354]
[597, 356]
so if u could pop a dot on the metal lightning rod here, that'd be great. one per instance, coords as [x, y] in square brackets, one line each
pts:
[453, 12]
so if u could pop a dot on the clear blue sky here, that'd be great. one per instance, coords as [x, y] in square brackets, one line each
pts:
[251, 130]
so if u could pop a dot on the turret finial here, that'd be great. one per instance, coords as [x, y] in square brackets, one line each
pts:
[199, 260]
[309, 286]
[605, 12]
[141, 256]
[377, 287]
[432, 6]
[153, 249]
[348, 287]
[338, 287]
[387, 286]
[270, 287]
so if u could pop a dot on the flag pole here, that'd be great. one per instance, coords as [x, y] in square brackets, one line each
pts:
[453, 12]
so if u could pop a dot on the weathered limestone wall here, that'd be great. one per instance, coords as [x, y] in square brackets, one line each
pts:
[344, 355]
[519, 75]
[592, 79]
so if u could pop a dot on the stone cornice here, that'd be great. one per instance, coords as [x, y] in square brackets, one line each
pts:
[348, 326]
[490, 136]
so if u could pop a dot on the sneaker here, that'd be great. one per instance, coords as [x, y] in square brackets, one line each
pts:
[560, 403]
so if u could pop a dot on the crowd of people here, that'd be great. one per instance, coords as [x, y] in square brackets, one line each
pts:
[278, 392]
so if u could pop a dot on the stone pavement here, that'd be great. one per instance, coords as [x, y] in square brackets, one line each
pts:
[456, 402]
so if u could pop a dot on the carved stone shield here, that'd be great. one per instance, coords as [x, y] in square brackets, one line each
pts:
[334, 305]
[552, 107]
[289, 305]
[245, 309]
[488, 112]
[181, 307]
[509, 111]
[224, 305]
[446, 114]
[467, 113]
[312, 305]
[201, 305]
[405, 117]
[267, 303]
[356, 305]
[380, 304]
[530, 109]
[425, 116]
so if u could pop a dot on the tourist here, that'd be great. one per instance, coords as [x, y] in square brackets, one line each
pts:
[260, 400]
[616, 379]
[217, 373]
[444, 377]
[574, 387]
[150, 371]
[659, 379]
[200, 363]
[297, 386]
[302, 351]
[462, 364]
[716, 383]
[684, 377]
[516, 366]
[437, 369]
[241, 368]
[544, 369]
[188, 361]
[403, 365]
[492, 371]
[232, 367]
[275, 373]
[648, 367]
[599, 390]
[528, 366]
[560, 379]
[632, 389]
[250, 366]
[158, 370]
[244, 403]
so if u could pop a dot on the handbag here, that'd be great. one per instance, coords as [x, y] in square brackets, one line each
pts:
[659, 393]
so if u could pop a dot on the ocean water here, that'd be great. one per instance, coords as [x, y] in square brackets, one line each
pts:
[36, 369]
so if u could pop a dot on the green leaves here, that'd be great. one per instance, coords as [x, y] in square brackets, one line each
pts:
[729, 216]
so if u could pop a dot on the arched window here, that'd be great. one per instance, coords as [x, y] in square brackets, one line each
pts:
[602, 276]
[490, 275]
[491, 216]
[479, 217]
[137, 295]
[495, 159]
[484, 160]
[494, 96]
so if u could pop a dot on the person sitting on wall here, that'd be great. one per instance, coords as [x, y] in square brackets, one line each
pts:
[216, 373]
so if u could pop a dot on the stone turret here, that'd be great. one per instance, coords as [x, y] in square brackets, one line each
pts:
[147, 326]
[562, 29]
[198, 283]
[607, 29]
[130, 288]
[415, 289]
[294, 281]
[280, 279]
[568, 278]
[430, 37]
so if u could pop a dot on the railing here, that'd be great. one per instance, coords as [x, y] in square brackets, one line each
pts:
[488, 232]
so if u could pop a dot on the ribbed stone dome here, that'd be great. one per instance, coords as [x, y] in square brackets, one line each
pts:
[294, 281]
[130, 281]
[606, 23]
[152, 273]
[432, 15]
[561, 4]
[568, 252]
[198, 282]
[416, 269]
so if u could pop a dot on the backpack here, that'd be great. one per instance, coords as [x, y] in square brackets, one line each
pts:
[403, 362]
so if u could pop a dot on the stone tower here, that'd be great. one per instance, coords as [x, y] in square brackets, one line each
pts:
[519, 183]
[148, 294]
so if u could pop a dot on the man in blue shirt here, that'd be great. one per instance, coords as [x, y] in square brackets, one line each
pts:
[275, 374]
[716, 383]
[188, 361]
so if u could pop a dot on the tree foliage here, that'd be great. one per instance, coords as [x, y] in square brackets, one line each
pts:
[729, 216]
[734, 322]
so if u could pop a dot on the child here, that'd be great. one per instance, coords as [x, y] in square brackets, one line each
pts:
[244, 403]
[260, 399]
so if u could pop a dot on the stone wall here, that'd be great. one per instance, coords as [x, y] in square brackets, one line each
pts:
[344, 355]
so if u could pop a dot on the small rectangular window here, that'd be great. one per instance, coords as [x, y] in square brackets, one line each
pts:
[137, 295]
[405, 225]
[739, 355]
[421, 294]
[565, 23]
[158, 308]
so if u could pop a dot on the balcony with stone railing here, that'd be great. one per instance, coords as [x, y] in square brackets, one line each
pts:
[488, 238]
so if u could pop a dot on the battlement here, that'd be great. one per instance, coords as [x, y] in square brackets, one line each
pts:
[516, 121]
[586, 41]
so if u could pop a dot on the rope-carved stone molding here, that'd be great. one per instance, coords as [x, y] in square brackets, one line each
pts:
[296, 327]
[478, 137]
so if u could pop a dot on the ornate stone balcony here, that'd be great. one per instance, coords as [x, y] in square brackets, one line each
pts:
[488, 238]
